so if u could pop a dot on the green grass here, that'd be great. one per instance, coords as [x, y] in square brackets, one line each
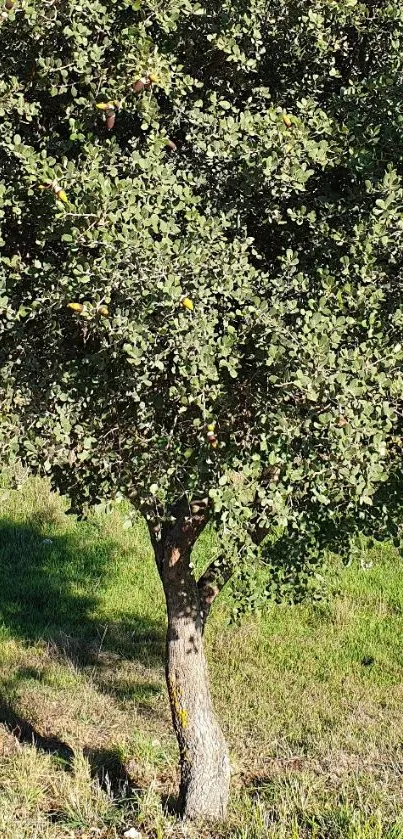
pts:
[310, 697]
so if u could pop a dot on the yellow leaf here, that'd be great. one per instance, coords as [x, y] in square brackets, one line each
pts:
[211, 426]
[61, 195]
[103, 106]
[153, 78]
[75, 307]
[187, 303]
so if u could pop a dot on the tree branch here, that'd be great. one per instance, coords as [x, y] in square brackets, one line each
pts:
[211, 582]
[181, 530]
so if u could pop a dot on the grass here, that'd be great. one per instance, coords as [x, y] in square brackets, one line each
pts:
[310, 697]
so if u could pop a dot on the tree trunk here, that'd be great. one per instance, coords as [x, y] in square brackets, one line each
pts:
[204, 759]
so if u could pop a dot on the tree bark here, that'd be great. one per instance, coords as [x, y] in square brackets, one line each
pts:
[204, 759]
[210, 584]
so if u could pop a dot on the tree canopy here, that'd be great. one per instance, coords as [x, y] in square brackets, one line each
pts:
[253, 174]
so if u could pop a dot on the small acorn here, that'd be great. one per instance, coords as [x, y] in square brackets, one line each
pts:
[60, 193]
[140, 84]
[211, 436]
[75, 307]
[145, 83]
[110, 110]
[104, 311]
[171, 145]
[287, 121]
[187, 303]
[9, 5]
[110, 118]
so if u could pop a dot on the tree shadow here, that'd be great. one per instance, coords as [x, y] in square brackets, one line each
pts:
[49, 591]
[50, 588]
[24, 732]
[106, 764]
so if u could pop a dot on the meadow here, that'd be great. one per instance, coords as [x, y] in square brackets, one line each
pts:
[310, 696]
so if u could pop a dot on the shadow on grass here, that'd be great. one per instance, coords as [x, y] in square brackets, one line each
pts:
[106, 764]
[24, 732]
[49, 591]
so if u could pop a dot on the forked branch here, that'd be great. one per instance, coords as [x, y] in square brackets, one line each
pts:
[211, 582]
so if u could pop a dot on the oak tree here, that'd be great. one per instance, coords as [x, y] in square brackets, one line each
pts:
[201, 212]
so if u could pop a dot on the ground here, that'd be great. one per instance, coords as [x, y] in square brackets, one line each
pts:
[310, 696]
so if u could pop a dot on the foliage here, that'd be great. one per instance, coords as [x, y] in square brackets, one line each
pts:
[231, 242]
